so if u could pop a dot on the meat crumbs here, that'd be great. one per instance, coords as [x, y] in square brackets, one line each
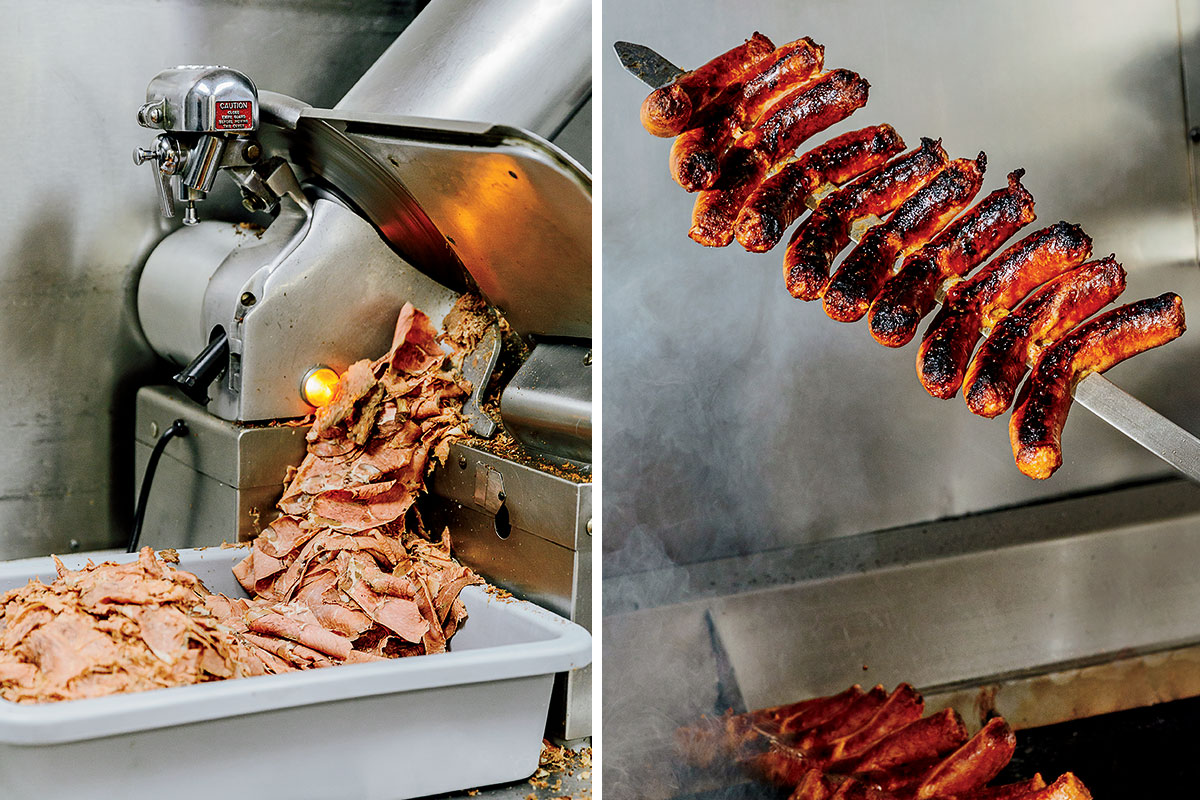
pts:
[346, 573]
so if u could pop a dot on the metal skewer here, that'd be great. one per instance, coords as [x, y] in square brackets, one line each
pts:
[1097, 394]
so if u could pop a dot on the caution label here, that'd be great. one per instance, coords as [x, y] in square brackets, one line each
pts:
[234, 115]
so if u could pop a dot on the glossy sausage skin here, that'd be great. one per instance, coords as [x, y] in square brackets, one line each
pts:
[696, 153]
[808, 110]
[1037, 421]
[911, 293]
[815, 785]
[923, 739]
[988, 295]
[779, 200]
[667, 110]
[903, 706]
[805, 112]
[1067, 787]
[716, 209]
[851, 719]
[862, 273]
[997, 368]
[826, 232]
[972, 765]
[816, 711]
[1020, 790]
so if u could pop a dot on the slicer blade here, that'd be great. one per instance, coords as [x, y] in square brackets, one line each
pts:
[646, 65]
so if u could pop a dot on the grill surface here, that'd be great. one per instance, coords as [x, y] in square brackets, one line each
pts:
[1125, 754]
[1137, 753]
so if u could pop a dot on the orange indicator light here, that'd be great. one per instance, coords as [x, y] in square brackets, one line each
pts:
[319, 385]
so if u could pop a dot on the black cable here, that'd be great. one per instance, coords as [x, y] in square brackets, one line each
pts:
[178, 428]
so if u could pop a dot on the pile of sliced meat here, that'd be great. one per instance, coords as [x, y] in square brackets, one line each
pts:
[738, 121]
[117, 628]
[869, 746]
[346, 573]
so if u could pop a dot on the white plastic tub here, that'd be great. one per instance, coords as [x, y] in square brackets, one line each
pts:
[405, 728]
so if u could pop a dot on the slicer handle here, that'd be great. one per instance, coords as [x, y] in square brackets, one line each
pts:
[162, 181]
[195, 378]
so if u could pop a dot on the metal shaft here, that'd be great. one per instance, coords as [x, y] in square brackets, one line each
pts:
[525, 63]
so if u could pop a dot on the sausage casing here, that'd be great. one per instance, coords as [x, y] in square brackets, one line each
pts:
[902, 707]
[862, 273]
[716, 210]
[972, 765]
[996, 370]
[988, 295]
[806, 111]
[696, 153]
[826, 232]
[668, 109]
[920, 740]
[1041, 411]
[911, 293]
[779, 200]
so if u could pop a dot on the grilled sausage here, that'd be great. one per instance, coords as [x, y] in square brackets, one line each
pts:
[862, 273]
[696, 153]
[716, 209]
[903, 706]
[996, 370]
[808, 714]
[851, 719]
[1020, 790]
[972, 765]
[784, 765]
[911, 293]
[815, 785]
[1067, 787]
[989, 295]
[667, 110]
[1037, 421]
[826, 232]
[804, 112]
[923, 739]
[780, 199]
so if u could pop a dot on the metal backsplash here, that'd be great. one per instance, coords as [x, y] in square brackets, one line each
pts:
[76, 218]
[741, 420]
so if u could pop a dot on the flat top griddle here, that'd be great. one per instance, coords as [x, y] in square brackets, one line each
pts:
[1137, 753]
[1126, 755]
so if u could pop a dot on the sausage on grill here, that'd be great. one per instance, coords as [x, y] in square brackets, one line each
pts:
[972, 765]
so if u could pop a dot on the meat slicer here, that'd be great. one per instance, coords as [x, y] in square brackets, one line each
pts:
[431, 178]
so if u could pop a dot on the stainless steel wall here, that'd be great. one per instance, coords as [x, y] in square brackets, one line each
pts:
[740, 420]
[77, 217]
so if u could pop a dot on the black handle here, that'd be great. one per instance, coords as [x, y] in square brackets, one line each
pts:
[178, 428]
[196, 377]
